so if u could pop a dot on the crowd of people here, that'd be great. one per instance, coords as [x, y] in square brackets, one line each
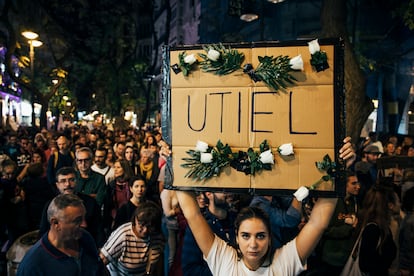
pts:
[117, 175]
[98, 201]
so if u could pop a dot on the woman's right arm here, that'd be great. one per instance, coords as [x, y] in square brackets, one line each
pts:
[202, 232]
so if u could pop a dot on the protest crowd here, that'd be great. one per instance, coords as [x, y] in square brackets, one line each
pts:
[97, 203]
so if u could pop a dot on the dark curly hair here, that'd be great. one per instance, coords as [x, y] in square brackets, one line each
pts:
[148, 213]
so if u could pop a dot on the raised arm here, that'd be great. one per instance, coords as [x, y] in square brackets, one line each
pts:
[311, 233]
[202, 232]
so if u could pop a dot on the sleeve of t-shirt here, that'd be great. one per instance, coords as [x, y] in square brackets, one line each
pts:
[221, 258]
[112, 249]
[286, 260]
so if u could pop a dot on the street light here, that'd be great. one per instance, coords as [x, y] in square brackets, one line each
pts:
[31, 37]
[250, 11]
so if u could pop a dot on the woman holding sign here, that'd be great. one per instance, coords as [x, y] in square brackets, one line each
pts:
[253, 255]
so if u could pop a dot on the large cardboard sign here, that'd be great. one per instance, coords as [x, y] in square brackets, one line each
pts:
[243, 113]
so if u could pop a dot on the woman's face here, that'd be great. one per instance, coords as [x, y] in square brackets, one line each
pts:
[254, 242]
[150, 140]
[201, 200]
[138, 189]
[395, 206]
[410, 152]
[110, 155]
[398, 150]
[36, 158]
[118, 170]
[129, 154]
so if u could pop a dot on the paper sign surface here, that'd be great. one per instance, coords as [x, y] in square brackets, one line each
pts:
[243, 113]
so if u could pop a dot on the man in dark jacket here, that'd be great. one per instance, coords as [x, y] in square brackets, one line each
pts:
[63, 158]
[65, 248]
[88, 181]
[66, 184]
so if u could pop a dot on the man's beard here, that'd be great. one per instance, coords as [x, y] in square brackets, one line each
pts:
[222, 204]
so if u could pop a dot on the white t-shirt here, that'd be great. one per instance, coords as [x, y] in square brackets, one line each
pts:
[222, 260]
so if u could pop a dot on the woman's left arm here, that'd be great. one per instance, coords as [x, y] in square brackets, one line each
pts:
[311, 233]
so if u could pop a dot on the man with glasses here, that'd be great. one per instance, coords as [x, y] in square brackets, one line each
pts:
[66, 184]
[100, 165]
[88, 181]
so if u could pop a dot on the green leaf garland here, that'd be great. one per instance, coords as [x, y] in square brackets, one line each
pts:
[186, 68]
[328, 166]
[249, 162]
[228, 61]
[319, 60]
[274, 72]
[222, 156]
